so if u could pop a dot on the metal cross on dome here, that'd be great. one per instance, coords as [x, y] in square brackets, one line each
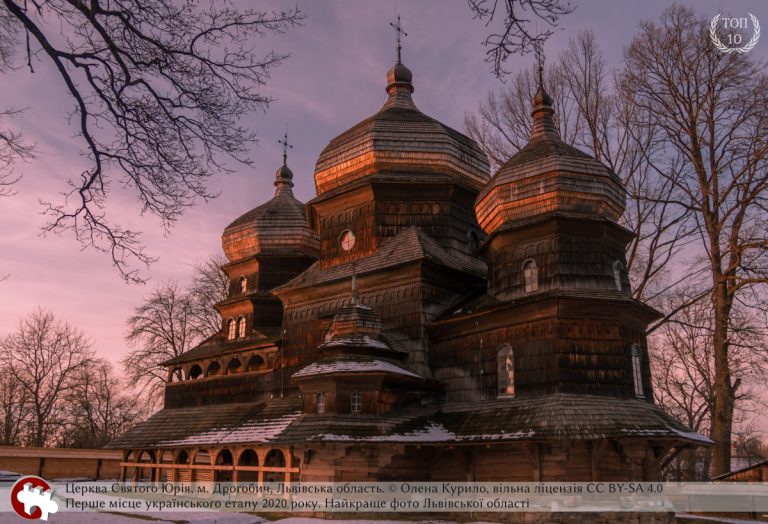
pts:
[538, 50]
[398, 27]
[286, 146]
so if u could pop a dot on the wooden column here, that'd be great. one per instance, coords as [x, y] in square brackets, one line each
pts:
[534, 456]
[288, 465]
[597, 450]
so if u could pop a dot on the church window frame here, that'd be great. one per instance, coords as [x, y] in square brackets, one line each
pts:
[243, 284]
[617, 267]
[320, 403]
[231, 329]
[637, 370]
[505, 360]
[530, 276]
[241, 324]
[356, 402]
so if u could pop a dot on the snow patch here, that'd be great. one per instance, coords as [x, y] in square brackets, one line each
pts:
[357, 341]
[352, 366]
[260, 431]
[434, 432]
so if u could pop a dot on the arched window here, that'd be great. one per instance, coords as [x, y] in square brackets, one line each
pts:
[320, 402]
[256, 363]
[531, 276]
[234, 366]
[195, 372]
[231, 329]
[243, 284]
[177, 375]
[356, 402]
[214, 368]
[637, 370]
[617, 267]
[241, 327]
[506, 370]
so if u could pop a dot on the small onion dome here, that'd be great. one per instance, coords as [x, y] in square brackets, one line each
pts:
[355, 319]
[546, 176]
[400, 140]
[277, 227]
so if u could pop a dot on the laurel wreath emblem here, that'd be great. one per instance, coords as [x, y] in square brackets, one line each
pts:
[725, 49]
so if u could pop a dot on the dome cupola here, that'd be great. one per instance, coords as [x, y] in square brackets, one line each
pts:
[400, 140]
[549, 176]
[277, 227]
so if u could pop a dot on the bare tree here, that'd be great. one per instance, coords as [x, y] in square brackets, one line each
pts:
[159, 87]
[171, 321]
[210, 285]
[595, 114]
[516, 34]
[710, 109]
[14, 409]
[163, 327]
[683, 366]
[44, 356]
[13, 147]
[97, 408]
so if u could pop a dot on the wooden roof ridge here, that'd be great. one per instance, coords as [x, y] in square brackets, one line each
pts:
[409, 245]
[352, 364]
[480, 302]
[760, 463]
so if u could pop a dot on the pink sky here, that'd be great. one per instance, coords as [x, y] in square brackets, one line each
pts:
[334, 78]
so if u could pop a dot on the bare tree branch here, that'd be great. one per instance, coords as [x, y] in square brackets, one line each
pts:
[517, 34]
[43, 357]
[159, 88]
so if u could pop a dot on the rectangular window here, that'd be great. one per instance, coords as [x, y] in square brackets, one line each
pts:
[506, 370]
[320, 402]
[637, 370]
[357, 402]
[531, 276]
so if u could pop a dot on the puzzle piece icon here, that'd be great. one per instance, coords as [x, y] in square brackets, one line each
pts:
[34, 497]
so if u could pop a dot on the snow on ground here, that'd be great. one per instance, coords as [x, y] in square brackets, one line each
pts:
[142, 518]
[192, 518]
[685, 517]
[204, 517]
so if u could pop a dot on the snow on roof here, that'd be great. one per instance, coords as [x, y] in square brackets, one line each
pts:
[650, 432]
[356, 340]
[353, 366]
[434, 432]
[254, 431]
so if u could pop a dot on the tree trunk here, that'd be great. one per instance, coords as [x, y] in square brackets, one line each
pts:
[722, 419]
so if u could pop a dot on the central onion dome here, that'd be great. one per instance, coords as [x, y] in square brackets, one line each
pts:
[400, 139]
[548, 176]
[278, 227]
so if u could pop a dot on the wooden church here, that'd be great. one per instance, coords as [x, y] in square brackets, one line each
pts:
[422, 320]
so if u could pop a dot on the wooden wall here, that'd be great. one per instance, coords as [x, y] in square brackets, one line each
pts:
[554, 351]
[54, 463]
[579, 461]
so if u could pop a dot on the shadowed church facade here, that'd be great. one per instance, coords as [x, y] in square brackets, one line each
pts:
[421, 320]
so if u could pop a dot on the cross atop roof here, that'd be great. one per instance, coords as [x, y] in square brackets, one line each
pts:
[538, 50]
[286, 146]
[398, 27]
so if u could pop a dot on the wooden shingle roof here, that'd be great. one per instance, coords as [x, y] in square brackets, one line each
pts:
[409, 245]
[400, 137]
[280, 421]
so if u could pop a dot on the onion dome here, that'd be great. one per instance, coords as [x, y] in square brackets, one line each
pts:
[549, 176]
[357, 329]
[400, 140]
[278, 227]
